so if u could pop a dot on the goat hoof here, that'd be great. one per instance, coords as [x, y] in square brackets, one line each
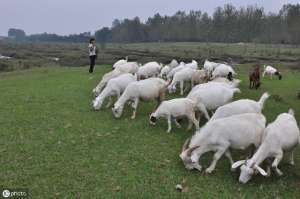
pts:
[199, 168]
[208, 170]
[279, 173]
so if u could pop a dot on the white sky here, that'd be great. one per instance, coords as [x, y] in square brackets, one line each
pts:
[75, 16]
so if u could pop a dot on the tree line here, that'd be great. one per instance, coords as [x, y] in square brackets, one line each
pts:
[226, 24]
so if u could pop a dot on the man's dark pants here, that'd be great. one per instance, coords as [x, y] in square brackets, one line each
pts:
[92, 63]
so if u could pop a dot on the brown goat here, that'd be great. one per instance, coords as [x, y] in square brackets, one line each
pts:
[254, 78]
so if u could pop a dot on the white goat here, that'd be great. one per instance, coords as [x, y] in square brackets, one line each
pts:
[236, 132]
[209, 67]
[108, 76]
[222, 70]
[120, 62]
[193, 64]
[212, 94]
[269, 70]
[199, 77]
[114, 87]
[165, 71]
[150, 69]
[280, 136]
[180, 77]
[177, 108]
[129, 67]
[173, 63]
[175, 70]
[182, 65]
[148, 89]
[240, 107]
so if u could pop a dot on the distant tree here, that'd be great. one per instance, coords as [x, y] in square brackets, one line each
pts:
[17, 34]
[46, 37]
[292, 14]
[226, 24]
[103, 36]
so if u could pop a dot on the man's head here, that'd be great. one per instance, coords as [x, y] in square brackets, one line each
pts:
[92, 40]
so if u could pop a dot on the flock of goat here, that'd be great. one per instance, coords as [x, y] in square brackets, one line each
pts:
[234, 125]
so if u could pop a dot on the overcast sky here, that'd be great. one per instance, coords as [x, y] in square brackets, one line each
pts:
[75, 16]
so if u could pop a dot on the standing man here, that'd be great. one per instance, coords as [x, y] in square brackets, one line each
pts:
[92, 54]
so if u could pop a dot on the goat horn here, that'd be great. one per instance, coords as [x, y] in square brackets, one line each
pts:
[185, 145]
[189, 152]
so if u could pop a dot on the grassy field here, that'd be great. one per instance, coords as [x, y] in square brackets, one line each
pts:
[55, 145]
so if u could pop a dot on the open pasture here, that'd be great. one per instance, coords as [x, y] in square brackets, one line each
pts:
[54, 144]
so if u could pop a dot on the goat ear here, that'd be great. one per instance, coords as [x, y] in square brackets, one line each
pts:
[260, 170]
[237, 164]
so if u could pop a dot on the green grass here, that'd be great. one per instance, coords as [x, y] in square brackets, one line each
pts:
[55, 145]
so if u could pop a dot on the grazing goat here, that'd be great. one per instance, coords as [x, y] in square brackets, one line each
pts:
[240, 107]
[114, 87]
[150, 69]
[108, 76]
[177, 108]
[254, 78]
[173, 63]
[129, 67]
[280, 136]
[181, 77]
[175, 70]
[193, 65]
[223, 70]
[235, 132]
[148, 89]
[165, 71]
[182, 65]
[269, 70]
[209, 67]
[120, 62]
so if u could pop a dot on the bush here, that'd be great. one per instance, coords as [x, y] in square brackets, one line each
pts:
[5, 66]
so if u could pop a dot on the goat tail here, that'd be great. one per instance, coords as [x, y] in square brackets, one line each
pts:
[291, 112]
[263, 98]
